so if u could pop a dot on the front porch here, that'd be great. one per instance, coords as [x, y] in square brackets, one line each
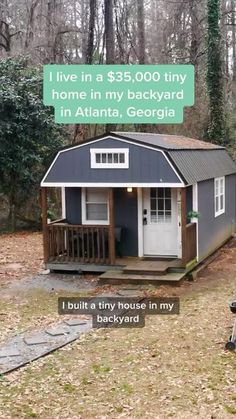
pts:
[95, 248]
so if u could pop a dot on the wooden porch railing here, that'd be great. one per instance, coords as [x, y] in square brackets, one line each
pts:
[78, 243]
[191, 251]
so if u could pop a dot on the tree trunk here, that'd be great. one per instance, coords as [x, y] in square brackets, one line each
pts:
[80, 130]
[30, 24]
[141, 32]
[50, 32]
[90, 47]
[141, 48]
[224, 37]
[233, 22]
[5, 37]
[12, 213]
[216, 126]
[84, 27]
[194, 33]
[109, 42]
[109, 32]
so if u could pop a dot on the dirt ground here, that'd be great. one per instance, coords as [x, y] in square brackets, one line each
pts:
[21, 254]
[175, 366]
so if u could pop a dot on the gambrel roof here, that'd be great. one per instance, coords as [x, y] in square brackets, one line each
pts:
[190, 160]
[196, 160]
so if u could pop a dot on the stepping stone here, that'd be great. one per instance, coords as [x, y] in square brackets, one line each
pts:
[74, 322]
[4, 353]
[36, 340]
[132, 287]
[57, 331]
[128, 293]
[18, 350]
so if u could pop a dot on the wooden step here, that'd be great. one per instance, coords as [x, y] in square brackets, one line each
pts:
[144, 267]
[132, 270]
[119, 278]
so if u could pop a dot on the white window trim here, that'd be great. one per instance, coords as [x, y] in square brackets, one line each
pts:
[95, 165]
[83, 212]
[220, 211]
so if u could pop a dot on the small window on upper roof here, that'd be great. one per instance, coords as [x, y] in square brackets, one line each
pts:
[110, 158]
[219, 196]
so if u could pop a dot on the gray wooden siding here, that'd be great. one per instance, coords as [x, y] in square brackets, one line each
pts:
[126, 213]
[73, 205]
[213, 231]
[145, 166]
[126, 217]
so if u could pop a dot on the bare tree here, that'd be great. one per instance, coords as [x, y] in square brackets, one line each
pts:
[141, 32]
[109, 32]
[90, 47]
[30, 28]
[233, 23]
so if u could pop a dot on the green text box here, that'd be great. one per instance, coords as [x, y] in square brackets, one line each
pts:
[119, 93]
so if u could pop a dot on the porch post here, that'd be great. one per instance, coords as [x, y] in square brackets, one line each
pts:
[44, 224]
[183, 226]
[112, 251]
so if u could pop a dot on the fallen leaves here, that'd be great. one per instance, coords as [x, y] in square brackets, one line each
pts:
[21, 254]
[174, 367]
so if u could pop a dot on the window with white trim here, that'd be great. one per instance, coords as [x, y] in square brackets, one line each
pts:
[219, 196]
[160, 205]
[109, 158]
[95, 206]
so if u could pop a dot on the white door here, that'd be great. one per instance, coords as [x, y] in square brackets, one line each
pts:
[160, 222]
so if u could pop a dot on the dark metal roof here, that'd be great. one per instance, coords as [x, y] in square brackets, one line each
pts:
[198, 165]
[195, 160]
[168, 142]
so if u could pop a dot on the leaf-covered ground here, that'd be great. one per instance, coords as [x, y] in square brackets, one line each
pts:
[21, 254]
[174, 367]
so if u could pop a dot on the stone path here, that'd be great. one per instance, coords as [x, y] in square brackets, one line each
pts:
[27, 347]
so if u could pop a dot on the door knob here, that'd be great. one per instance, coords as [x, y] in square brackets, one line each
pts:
[144, 220]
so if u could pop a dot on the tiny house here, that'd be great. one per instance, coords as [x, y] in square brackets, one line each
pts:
[138, 196]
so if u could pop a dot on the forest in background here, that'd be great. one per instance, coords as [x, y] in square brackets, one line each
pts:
[198, 32]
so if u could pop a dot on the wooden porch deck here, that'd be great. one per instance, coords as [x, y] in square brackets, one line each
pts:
[129, 270]
[129, 265]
